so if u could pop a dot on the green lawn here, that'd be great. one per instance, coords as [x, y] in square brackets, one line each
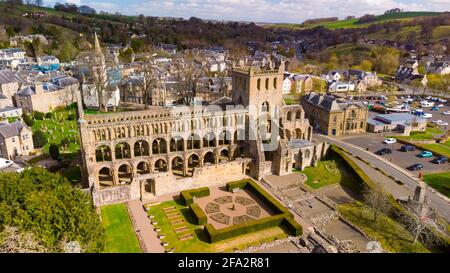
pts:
[390, 234]
[57, 128]
[439, 181]
[199, 242]
[327, 172]
[429, 134]
[438, 148]
[120, 236]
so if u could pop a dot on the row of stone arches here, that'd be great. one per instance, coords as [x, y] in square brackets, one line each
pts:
[295, 134]
[179, 166]
[293, 115]
[123, 150]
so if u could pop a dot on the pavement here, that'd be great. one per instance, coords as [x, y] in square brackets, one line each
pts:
[438, 201]
[143, 228]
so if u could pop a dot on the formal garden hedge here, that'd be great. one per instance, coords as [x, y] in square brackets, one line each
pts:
[199, 215]
[283, 216]
[188, 196]
[271, 202]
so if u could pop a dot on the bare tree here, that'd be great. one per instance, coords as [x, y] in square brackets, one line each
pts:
[15, 241]
[150, 82]
[190, 70]
[376, 199]
[417, 222]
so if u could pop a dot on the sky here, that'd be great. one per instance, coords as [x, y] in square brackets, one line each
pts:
[273, 11]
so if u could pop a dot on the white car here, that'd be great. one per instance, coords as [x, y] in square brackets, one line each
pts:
[442, 100]
[440, 105]
[4, 163]
[426, 115]
[390, 140]
[446, 113]
[437, 121]
[442, 123]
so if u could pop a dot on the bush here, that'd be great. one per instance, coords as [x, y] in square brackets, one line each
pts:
[38, 115]
[27, 119]
[49, 115]
[53, 150]
[65, 142]
[187, 196]
[72, 116]
[198, 213]
[39, 139]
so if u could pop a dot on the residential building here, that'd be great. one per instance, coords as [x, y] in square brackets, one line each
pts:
[16, 139]
[334, 117]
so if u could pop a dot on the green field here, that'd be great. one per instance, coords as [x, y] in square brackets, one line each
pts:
[439, 181]
[120, 237]
[327, 172]
[390, 234]
[199, 242]
[353, 23]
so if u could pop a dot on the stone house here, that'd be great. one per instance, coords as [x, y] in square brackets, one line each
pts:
[331, 117]
[16, 139]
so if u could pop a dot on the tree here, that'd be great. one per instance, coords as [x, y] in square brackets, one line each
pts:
[386, 60]
[39, 139]
[376, 199]
[188, 75]
[48, 206]
[53, 150]
[366, 65]
[418, 223]
[27, 119]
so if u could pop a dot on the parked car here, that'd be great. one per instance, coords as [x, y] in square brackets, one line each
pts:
[426, 115]
[446, 113]
[4, 163]
[415, 167]
[425, 154]
[407, 148]
[437, 121]
[434, 108]
[384, 151]
[440, 160]
[442, 123]
[389, 140]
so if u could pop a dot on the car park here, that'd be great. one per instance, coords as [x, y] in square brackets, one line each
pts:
[407, 148]
[415, 167]
[440, 160]
[384, 151]
[425, 154]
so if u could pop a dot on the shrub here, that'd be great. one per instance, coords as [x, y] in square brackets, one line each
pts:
[198, 213]
[236, 185]
[38, 115]
[53, 150]
[49, 115]
[187, 196]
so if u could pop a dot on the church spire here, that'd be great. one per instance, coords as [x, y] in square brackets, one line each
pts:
[97, 44]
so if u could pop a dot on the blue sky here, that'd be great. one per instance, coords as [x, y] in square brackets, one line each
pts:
[289, 11]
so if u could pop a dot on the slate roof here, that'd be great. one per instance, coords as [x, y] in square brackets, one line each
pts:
[8, 130]
[7, 76]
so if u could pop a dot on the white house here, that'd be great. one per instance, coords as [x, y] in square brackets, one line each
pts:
[9, 54]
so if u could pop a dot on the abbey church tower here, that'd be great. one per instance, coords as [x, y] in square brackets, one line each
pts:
[261, 87]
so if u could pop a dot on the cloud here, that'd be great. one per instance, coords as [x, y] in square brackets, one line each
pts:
[289, 11]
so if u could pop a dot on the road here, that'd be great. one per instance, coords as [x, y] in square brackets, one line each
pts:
[437, 201]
